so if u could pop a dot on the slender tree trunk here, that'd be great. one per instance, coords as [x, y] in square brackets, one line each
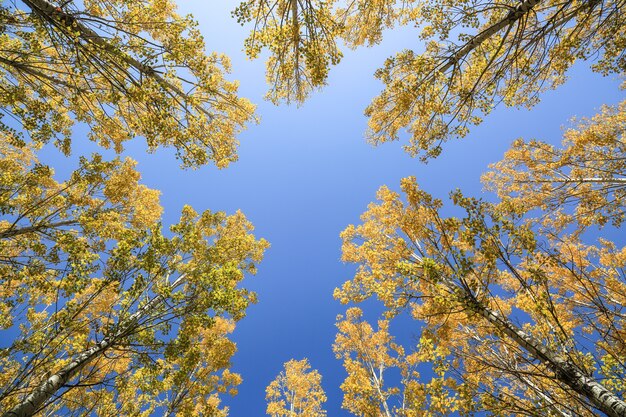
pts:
[36, 399]
[295, 35]
[377, 380]
[597, 180]
[513, 16]
[47, 389]
[16, 231]
[565, 371]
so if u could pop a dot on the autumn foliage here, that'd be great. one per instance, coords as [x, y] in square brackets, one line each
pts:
[296, 392]
[105, 310]
[126, 69]
[96, 293]
[516, 301]
[507, 304]
[472, 55]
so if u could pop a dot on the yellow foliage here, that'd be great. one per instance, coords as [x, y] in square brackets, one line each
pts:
[296, 392]
[126, 69]
[86, 268]
[470, 281]
[587, 172]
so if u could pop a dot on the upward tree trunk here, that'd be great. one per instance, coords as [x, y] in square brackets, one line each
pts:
[513, 16]
[47, 389]
[565, 371]
[40, 395]
[595, 180]
[16, 231]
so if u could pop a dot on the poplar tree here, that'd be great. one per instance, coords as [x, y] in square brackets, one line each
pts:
[124, 68]
[296, 392]
[103, 310]
[521, 300]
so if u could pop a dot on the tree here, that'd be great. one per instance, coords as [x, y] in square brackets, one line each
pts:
[296, 391]
[104, 311]
[108, 312]
[532, 320]
[477, 54]
[124, 68]
[369, 356]
[366, 356]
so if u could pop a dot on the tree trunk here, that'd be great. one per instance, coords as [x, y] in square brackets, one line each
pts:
[36, 399]
[16, 231]
[513, 16]
[565, 371]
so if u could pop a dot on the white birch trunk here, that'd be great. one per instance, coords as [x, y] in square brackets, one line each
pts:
[565, 371]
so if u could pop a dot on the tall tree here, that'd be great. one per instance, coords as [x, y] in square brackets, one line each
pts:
[106, 312]
[296, 392]
[533, 320]
[371, 358]
[126, 69]
[477, 54]
[103, 312]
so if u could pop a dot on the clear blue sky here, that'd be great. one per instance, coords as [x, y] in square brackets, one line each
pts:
[305, 173]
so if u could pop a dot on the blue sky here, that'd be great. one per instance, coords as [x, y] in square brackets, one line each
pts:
[305, 173]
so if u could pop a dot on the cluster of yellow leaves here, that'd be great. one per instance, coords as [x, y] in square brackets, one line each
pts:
[296, 392]
[449, 272]
[368, 356]
[512, 52]
[50, 228]
[187, 381]
[588, 172]
[363, 21]
[477, 54]
[301, 39]
[126, 69]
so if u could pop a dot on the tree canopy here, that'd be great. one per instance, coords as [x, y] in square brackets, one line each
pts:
[587, 172]
[124, 68]
[105, 311]
[510, 298]
[108, 311]
[296, 392]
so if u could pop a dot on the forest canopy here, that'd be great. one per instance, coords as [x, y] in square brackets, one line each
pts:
[515, 301]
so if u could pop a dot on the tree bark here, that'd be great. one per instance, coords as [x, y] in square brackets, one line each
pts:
[36, 399]
[16, 231]
[565, 371]
[594, 180]
[513, 16]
